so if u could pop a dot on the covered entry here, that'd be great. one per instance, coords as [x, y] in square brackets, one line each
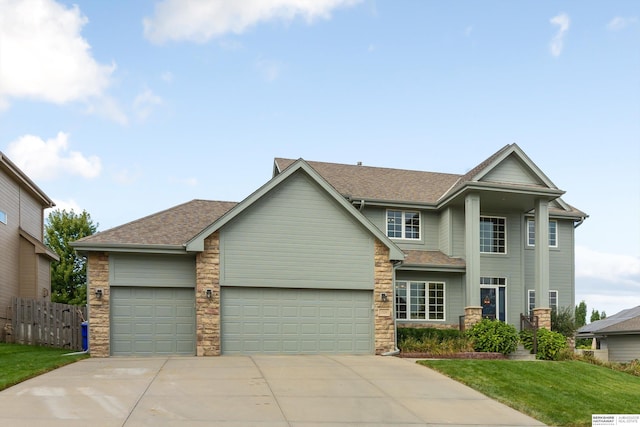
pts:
[296, 321]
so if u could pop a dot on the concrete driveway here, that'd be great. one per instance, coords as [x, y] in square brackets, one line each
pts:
[249, 391]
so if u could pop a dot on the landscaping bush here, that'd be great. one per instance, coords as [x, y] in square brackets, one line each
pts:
[493, 336]
[422, 334]
[550, 344]
[563, 321]
[526, 338]
[434, 346]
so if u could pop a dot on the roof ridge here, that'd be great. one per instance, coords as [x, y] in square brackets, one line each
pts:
[311, 162]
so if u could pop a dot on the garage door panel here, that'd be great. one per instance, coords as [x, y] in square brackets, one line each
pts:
[276, 320]
[152, 321]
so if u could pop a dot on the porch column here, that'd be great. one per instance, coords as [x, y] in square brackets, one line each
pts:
[542, 309]
[472, 310]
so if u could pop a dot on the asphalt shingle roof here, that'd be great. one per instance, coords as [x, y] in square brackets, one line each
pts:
[172, 227]
[432, 259]
[625, 321]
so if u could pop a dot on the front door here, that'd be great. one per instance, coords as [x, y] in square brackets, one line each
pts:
[493, 302]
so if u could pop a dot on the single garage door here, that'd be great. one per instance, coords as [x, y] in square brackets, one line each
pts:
[152, 321]
[300, 321]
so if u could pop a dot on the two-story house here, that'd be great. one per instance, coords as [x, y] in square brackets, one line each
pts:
[332, 258]
[25, 262]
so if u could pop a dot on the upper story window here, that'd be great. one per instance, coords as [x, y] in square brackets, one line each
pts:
[403, 224]
[553, 233]
[493, 235]
[3, 217]
[553, 300]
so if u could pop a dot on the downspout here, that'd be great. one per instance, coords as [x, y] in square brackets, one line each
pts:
[361, 205]
[395, 352]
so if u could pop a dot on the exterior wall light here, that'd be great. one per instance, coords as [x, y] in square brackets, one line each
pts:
[384, 297]
[99, 293]
[209, 293]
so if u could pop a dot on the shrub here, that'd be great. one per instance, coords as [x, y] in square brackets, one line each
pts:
[438, 342]
[493, 336]
[563, 322]
[422, 334]
[550, 344]
[526, 338]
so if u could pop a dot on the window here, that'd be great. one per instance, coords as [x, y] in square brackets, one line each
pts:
[493, 235]
[420, 300]
[553, 233]
[3, 217]
[553, 300]
[403, 225]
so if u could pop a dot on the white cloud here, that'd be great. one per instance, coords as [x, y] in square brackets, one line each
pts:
[201, 20]
[107, 107]
[64, 205]
[619, 23]
[613, 268]
[43, 55]
[557, 43]
[144, 103]
[269, 69]
[46, 160]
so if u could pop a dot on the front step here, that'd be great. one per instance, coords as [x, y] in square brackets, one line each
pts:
[521, 353]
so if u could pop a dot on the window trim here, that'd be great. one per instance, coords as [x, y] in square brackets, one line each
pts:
[427, 306]
[531, 303]
[533, 221]
[504, 224]
[403, 219]
[3, 217]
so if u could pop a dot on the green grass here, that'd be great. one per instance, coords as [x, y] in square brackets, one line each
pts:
[556, 393]
[21, 362]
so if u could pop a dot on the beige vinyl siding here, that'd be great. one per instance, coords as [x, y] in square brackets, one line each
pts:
[511, 170]
[44, 277]
[28, 269]
[31, 215]
[623, 348]
[296, 237]
[9, 241]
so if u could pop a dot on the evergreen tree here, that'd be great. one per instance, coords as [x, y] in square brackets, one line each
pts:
[581, 314]
[69, 275]
[595, 315]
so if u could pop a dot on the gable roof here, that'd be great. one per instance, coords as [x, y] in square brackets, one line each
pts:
[625, 322]
[22, 179]
[407, 187]
[166, 230]
[299, 166]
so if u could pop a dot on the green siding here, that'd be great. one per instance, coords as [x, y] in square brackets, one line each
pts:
[152, 321]
[152, 270]
[512, 170]
[296, 321]
[430, 228]
[445, 237]
[297, 237]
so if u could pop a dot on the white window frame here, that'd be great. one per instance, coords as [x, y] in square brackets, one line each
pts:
[429, 314]
[3, 217]
[504, 232]
[532, 299]
[403, 219]
[531, 237]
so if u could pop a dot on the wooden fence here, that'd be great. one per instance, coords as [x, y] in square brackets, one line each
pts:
[51, 324]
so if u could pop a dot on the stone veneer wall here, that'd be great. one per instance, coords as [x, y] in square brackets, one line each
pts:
[544, 317]
[383, 311]
[98, 275]
[472, 315]
[208, 310]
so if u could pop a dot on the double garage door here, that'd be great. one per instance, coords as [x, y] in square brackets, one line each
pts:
[149, 321]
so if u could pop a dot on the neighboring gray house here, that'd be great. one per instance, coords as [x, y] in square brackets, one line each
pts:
[617, 336]
[331, 258]
[25, 262]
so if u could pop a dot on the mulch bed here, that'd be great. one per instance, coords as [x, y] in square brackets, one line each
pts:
[467, 355]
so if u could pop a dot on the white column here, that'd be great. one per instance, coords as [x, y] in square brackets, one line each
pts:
[542, 254]
[472, 248]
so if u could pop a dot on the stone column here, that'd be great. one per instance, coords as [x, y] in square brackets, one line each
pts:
[473, 310]
[208, 309]
[98, 310]
[383, 310]
[542, 309]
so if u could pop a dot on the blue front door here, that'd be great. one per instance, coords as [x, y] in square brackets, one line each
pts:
[493, 302]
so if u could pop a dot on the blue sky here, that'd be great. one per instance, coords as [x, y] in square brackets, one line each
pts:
[127, 108]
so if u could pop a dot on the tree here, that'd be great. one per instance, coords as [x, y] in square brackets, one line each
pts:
[595, 315]
[581, 314]
[69, 275]
[603, 315]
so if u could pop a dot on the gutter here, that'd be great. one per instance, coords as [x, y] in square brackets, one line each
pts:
[395, 352]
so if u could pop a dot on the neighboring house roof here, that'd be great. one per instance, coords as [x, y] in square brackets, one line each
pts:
[404, 187]
[625, 322]
[169, 229]
[25, 181]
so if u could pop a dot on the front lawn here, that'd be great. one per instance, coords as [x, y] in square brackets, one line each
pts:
[21, 362]
[556, 393]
